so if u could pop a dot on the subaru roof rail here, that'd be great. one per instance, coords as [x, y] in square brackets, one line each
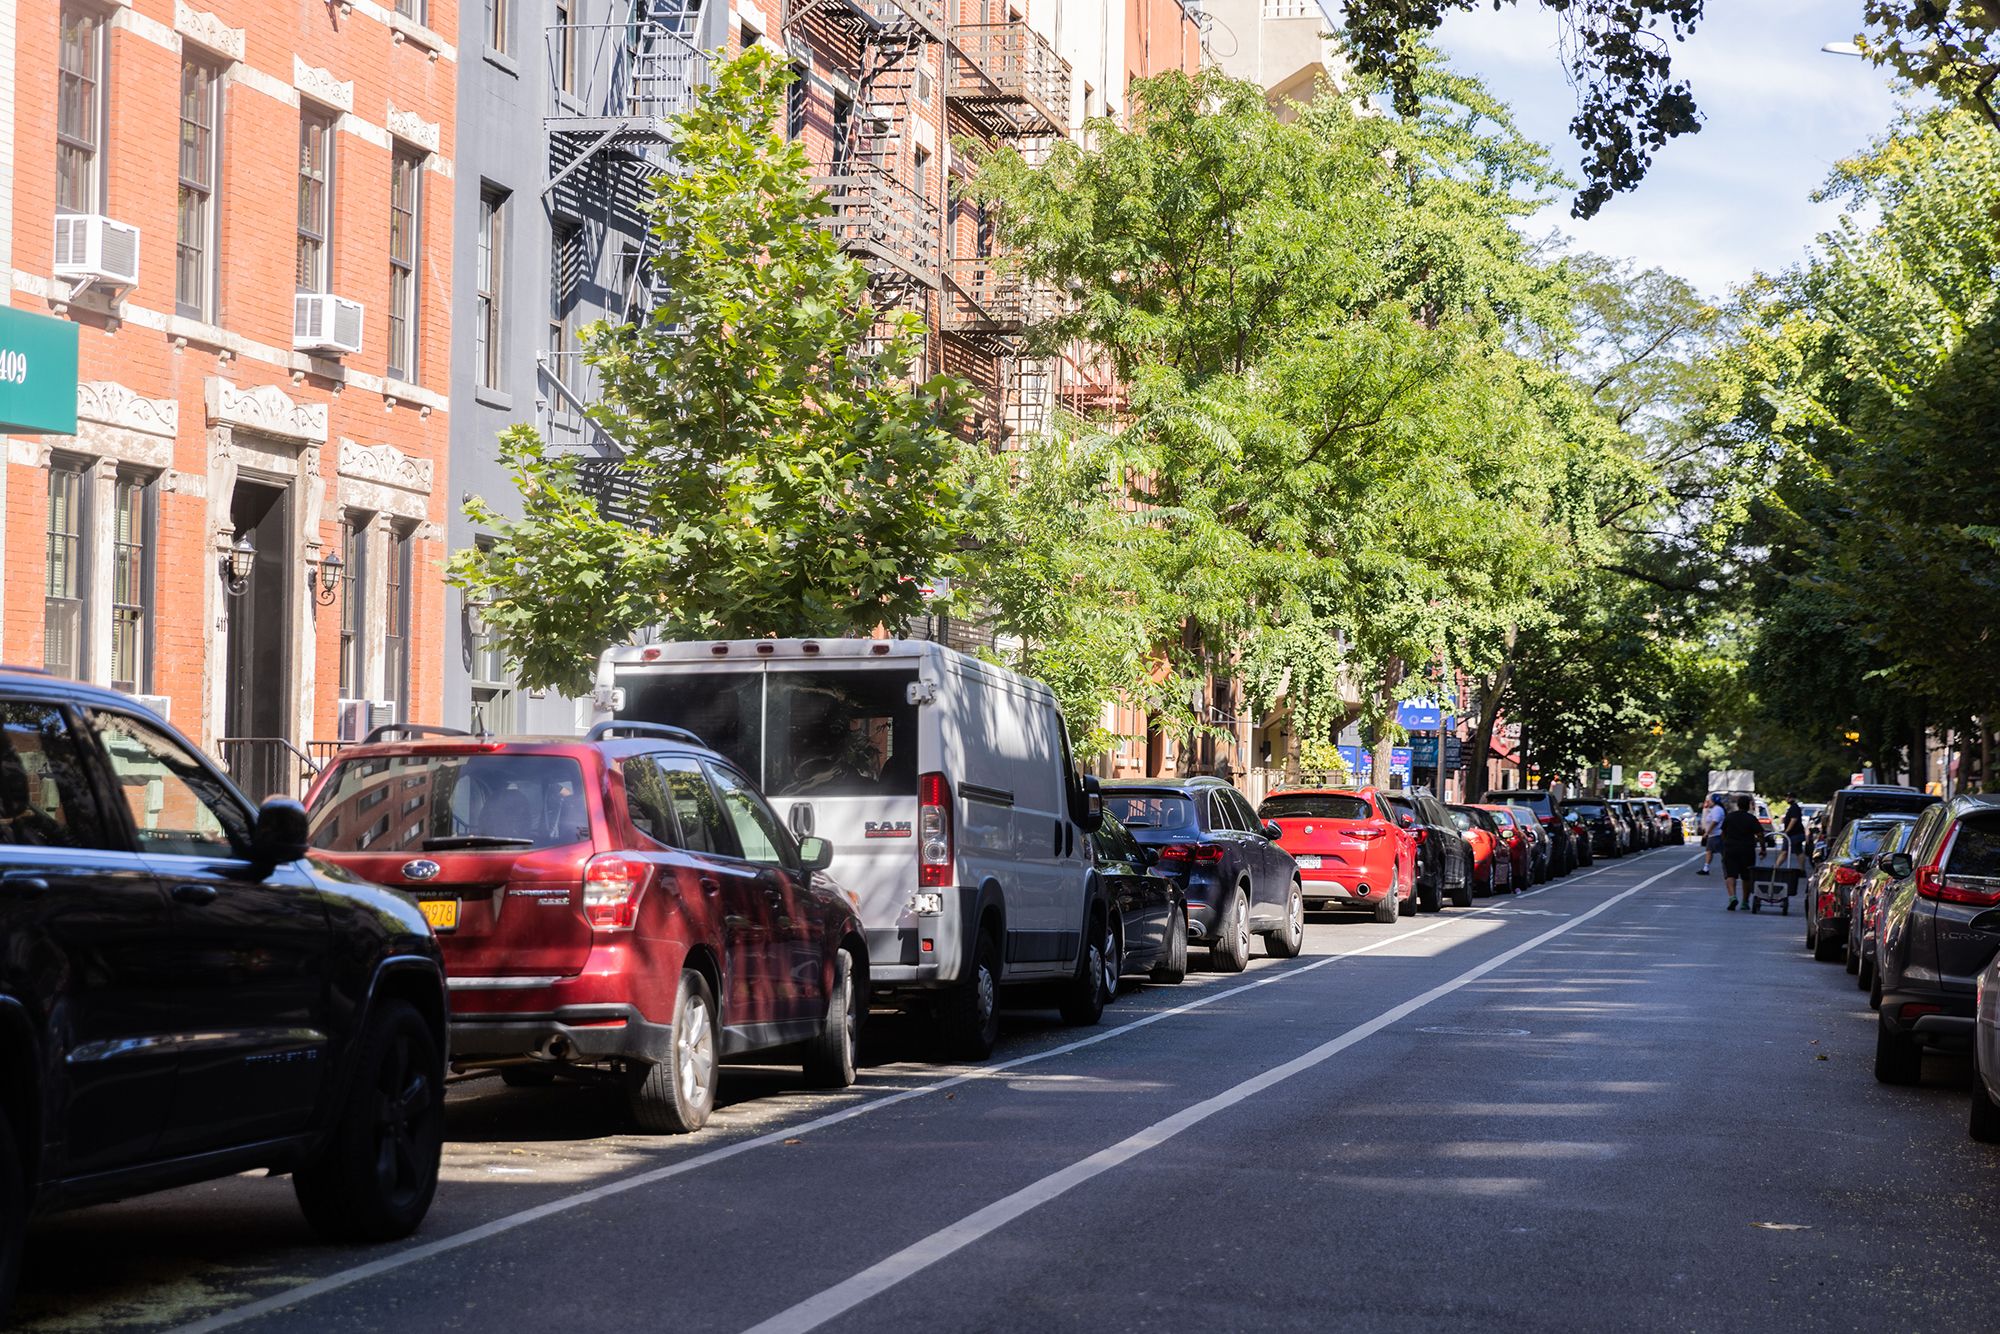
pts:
[618, 727]
[388, 730]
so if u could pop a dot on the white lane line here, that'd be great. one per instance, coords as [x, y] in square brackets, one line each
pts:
[388, 1264]
[816, 1310]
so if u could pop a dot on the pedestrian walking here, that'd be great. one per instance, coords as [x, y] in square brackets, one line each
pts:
[1794, 845]
[1711, 831]
[1740, 834]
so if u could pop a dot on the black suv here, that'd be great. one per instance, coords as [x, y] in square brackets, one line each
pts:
[1851, 803]
[1444, 862]
[1562, 856]
[183, 996]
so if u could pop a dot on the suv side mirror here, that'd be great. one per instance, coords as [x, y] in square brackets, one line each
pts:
[815, 853]
[1272, 832]
[279, 836]
[1149, 856]
[1091, 818]
[1899, 865]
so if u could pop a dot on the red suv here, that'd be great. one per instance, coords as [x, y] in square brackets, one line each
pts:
[624, 906]
[1350, 850]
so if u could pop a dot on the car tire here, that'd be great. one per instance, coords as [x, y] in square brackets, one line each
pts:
[1289, 939]
[1983, 1124]
[1826, 946]
[1874, 986]
[537, 1076]
[831, 1058]
[1853, 952]
[1898, 1058]
[1231, 951]
[374, 1178]
[1864, 974]
[13, 1215]
[969, 1015]
[1406, 904]
[675, 1096]
[1083, 996]
[1390, 906]
[1174, 970]
[1461, 896]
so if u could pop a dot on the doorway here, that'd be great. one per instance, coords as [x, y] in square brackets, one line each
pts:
[258, 685]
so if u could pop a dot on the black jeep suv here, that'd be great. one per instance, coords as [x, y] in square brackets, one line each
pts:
[183, 996]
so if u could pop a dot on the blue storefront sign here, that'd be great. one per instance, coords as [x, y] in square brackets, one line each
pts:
[1420, 715]
[1424, 752]
[1399, 760]
[1358, 762]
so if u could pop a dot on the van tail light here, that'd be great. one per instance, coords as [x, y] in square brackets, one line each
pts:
[934, 832]
[1932, 884]
[1180, 854]
[612, 887]
[1846, 875]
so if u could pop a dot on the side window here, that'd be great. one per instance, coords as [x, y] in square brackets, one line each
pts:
[1246, 814]
[1219, 814]
[647, 799]
[45, 797]
[698, 813]
[178, 805]
[1929, 833]
[1113, 843]
[759, 832]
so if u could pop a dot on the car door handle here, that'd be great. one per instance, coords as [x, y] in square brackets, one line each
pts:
[21, 883]
[198, 895]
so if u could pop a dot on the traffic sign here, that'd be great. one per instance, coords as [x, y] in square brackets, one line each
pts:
[1647, 778]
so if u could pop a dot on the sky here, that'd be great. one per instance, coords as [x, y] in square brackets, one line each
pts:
[1735, 198]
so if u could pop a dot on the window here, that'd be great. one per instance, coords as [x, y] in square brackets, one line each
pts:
[647, 799]
[747, 37]
[447, 802]
[64, 582]
[315, 258]
[798, 95]
[563, 55]
[496, 25]
[413, 10]
[922, 160]
[492, 692]
[486, 267]
[396, 631]
[353, 606]
[45, 797]
[80, 87]
[982, 231]
[696, 811]
[759, 832]
[406, 185]
[132, 584]
[565, 276]
[179, 807]
[194, 247]
[843, 118]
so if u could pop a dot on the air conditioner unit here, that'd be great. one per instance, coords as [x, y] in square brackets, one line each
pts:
[323, 322]
[381, 712]
[159, 704]
[351, 719]
[93, 248]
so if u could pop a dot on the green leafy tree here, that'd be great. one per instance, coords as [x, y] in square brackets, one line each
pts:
[783, 475]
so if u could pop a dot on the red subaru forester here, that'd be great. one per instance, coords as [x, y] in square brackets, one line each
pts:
[623, 906]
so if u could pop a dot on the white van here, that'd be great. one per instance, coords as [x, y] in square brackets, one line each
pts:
[947, 789]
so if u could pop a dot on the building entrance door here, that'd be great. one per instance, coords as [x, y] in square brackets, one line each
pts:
[258, 687]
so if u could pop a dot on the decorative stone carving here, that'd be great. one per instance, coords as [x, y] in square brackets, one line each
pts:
[112, 404]
[386, 465]
[265, 410]
[205, 29]
[322, 87]
[413, 129]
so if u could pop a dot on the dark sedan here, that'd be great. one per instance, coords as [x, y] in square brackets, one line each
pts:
[1830, 902]
[1152, 910]
[1607, 838]
[1444, 862]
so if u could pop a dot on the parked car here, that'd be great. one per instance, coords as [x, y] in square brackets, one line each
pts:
[1830, 900]
[1641, 815]
[189, 996]
[1492, 868]
[1513, 823]
[623, 907]
[946, 789]
[1938, 931]
[1237, 881]
[1350, 850]
[1865, 914]
[1600, 824]
[1444, 864]
[1151, 910]
[1541, 844]
[1562, 857]
[1663, 820]
[1851, 803]
[1688, 823]
[1579, 836]
[1984, 1122]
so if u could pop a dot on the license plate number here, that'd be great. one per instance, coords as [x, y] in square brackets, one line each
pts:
[442, 914]
[1308, 861]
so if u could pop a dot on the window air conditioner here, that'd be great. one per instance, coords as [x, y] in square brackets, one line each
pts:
[93, 248]
[159, 704]
[323, 322]
[352, 719]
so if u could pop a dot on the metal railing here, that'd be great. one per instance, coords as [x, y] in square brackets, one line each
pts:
[607, 72]
[989, 294]
[266, 766]
[879, 218]
[1010, 71]
[926, 16]
[570, 385]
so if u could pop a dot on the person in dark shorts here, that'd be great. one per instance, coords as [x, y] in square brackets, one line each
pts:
[1793, 849]
[1741, 834]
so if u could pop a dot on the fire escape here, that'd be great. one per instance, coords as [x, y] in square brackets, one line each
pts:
[892, 228]
[1007, 81]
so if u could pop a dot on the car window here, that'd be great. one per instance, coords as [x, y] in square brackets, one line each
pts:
[1314, 806]
[1975, 849]
[1150, 810]
[1505, 819]
[697, 814]
[45, 797]
[1220, 816]
[1864, 838]
[1462, 820]
[1925, 837]
[439, 801]
[759, 831]
[178, 805]
[1114, 844]
[647, 800]
[1246, 814]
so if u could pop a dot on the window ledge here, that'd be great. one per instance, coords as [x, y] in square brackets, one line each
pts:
[494, 398]
[503, 62]
[416, 34]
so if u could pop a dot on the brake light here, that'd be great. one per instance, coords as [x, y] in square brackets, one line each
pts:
[1422, 834]
[1932, 884]
[1191, 852]
[934, 833]
[612, 886]
[1367, 831]
[1846, 875]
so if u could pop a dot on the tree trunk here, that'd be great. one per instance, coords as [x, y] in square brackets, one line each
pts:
[1490, 691]
[1392, 676]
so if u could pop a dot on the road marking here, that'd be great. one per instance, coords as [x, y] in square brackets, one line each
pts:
[388, 1264]
[842, 1297]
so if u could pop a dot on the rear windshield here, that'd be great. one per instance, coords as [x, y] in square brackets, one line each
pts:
[831, 733]
[1535, 801]
[1150, 810]
[1590, 810]
[446, 803]
[1315, 806]
[1503, 818]
[1865, 838]
[1463, 820]
[1864, 804]
[1975, 849]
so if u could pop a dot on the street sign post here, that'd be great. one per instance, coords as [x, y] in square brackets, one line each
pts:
[1647, 780]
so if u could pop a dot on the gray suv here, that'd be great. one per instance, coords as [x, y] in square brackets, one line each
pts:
[1940, 928]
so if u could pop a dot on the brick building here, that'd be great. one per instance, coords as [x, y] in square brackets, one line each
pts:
[247, 211]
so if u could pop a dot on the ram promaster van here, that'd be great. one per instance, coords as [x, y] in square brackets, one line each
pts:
[957, 816]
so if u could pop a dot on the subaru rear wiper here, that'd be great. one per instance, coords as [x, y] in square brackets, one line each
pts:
[455, 842]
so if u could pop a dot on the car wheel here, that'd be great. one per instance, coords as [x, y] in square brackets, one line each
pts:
[1898, 1058]
[13, 1215]
[537, 1076]
[1984, 1122]
[676, 1095]
[374, 1178]
[831, 1058]
[1113, 962]
[1853, 952]
[1390, 906]
[1174, 970]
[1406, 904]
[1864, 974]
[1231, 951]
[969, 1016]
[1289, 939]
[1874, 985]
[1461, 897]
[1083, 996]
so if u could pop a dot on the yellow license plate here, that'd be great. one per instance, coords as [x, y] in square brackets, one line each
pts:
[442, 914]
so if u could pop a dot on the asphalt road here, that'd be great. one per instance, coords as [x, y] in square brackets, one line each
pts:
[1606, 1104]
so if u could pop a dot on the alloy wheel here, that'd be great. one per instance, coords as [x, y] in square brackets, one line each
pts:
[403, 1098]
[1112, 962]
[694, 1056]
